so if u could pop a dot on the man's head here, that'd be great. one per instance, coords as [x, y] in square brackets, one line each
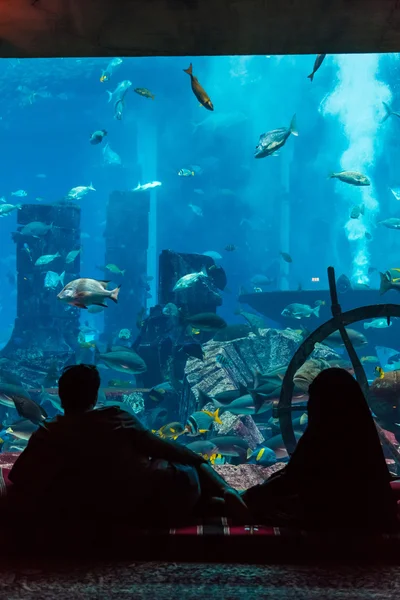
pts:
[78, 387]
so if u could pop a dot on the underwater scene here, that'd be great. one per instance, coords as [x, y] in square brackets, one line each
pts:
[171, 220]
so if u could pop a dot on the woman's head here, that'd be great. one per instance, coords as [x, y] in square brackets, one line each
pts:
[335, 394]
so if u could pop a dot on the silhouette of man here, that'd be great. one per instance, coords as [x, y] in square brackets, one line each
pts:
[97, 461]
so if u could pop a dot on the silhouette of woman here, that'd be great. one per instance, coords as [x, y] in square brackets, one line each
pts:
[337, 477]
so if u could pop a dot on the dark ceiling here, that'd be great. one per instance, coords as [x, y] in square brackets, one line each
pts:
[35, 28]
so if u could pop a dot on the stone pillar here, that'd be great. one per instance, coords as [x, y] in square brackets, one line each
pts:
[45, 330]
[126, 237]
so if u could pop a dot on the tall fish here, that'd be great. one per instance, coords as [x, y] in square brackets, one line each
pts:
[318, 62]
[272, 141]
[117, 97]
[85, 292]
[198, 90]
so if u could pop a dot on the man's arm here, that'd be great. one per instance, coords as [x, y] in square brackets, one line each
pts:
[155, 447]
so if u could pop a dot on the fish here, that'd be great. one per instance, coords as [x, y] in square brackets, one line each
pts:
[121, 383]
[123, 360]
[395, 192]
[196, 209]
[29, 409]
[95, 308]
[11, 391]
[368, 236]
[230, 248]
[212, 254]
[110, 157]
[261, 456]
[299, 311]
[203, 447]
[171, 430]
[272, 141]
[351, 177]
[52, 280]
[218, 276]
[357, 211]
[159, 392]
[198, 90]
[53, 399]
[45, 259]
[343, 284]
[244, 405]
[185, 173]
[109, 70]
[380, 372]
[261, 280]
[335, 339]
[286, 257]
[392, 223]
[276, 444]
[232, 332]
[147, 186]
[255, 321]
[36, 229]
[206, 321]
[22, 429]
[124, 334]
[80, 191]
[144, 92]
[5, 209]
[71, 256]
[97, 136]
[390, 280]
[114, 269]
[231, 445]
[190, 280]
[222, 360]
[85, 292]
[369, 359]
[117, 97]
[378, 323]
[20, 193]
[170, 310]
[317, 63]
[192, 349]
[389, 112]
[201, 421]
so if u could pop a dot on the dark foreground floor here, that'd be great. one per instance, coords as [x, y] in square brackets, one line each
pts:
[159, 581]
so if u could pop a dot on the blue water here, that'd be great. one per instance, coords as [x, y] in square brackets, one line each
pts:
[285, 203]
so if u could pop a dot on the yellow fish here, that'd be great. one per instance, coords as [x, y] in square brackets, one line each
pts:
[380, 372]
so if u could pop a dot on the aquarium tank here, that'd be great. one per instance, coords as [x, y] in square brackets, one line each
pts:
[171, 220]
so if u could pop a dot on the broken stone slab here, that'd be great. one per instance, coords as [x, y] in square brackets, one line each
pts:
[226, 364]
[242, 477]
[242, 426]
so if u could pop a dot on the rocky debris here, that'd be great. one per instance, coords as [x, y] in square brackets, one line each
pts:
[226, 364]
[242, 477]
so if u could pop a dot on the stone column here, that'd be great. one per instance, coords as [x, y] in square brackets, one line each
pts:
[126, 237]
[45, 330]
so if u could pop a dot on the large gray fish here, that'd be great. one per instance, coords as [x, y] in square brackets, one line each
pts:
[85, 292]
[36, 229]
[271, 142]
[123, 360]
[318, 62]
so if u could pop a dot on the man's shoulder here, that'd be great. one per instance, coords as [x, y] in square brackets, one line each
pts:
[121, 417]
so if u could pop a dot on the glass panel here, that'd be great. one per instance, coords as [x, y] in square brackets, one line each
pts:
[210, 194]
